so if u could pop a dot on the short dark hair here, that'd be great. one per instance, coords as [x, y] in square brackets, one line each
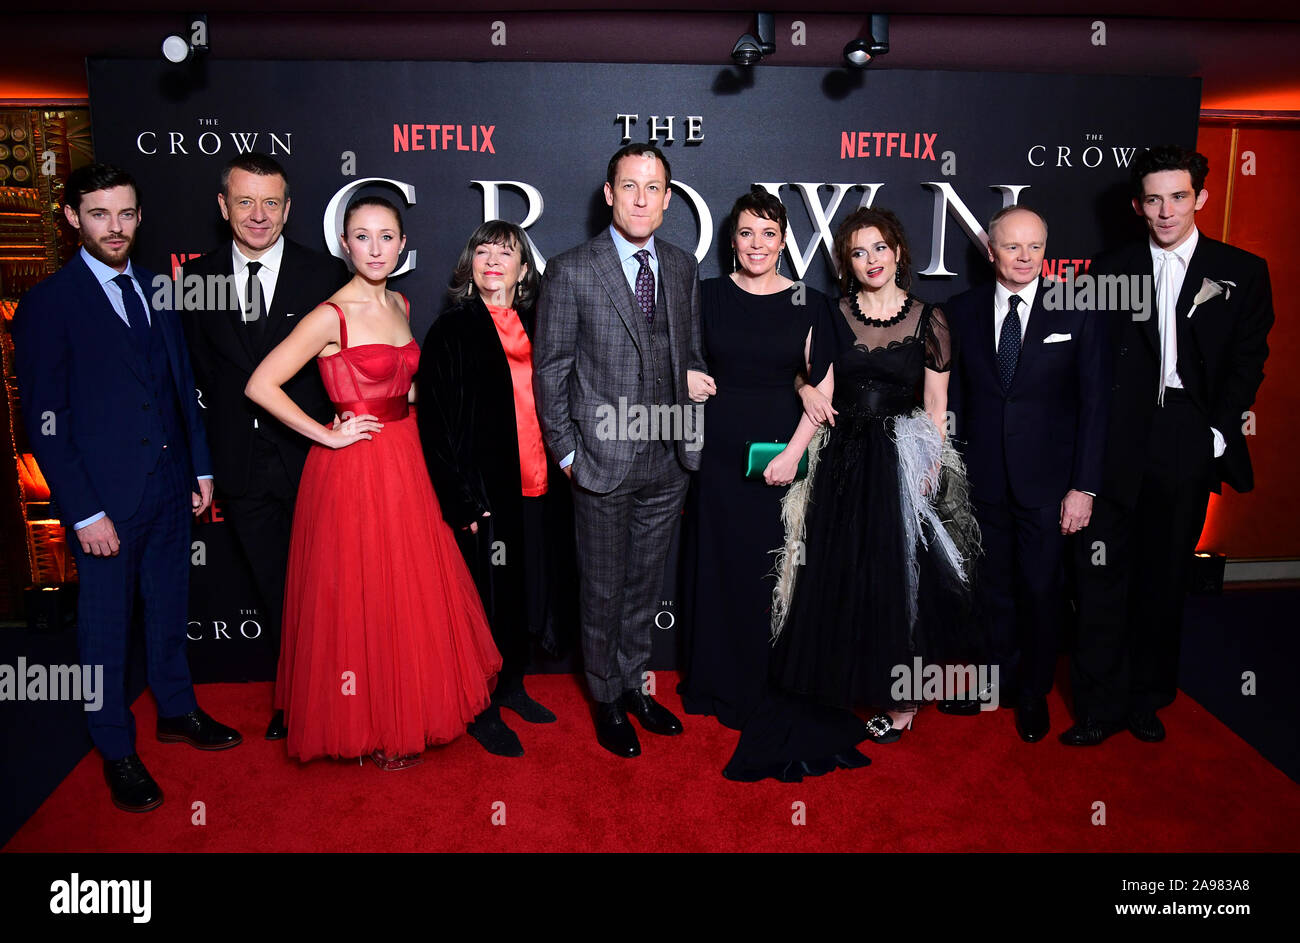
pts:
[254, 162]
[762, 204]
[889, 227]
[1008, 210]
[379, 201]
[1168, 157]
[636, 150]
[94, 177]
[496, 232]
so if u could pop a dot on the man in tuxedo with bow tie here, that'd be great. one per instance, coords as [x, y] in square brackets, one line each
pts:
[108, 401]
[619, 322]
[271, 280]
[1029, 404]
[1185, 375]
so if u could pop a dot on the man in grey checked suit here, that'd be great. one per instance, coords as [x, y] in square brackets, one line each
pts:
[617, 330]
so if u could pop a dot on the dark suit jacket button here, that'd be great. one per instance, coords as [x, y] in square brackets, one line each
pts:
[146, 406]
[144, 441]
[1123, 351]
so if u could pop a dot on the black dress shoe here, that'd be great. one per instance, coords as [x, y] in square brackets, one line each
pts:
[1146, 726]
[963, 708]
[131, 786]
[1088, 732]
[614, 731]
[491, 731]
[277, 729]
[1032, 721]
[529, 710]
[198, 730]
[653, 717]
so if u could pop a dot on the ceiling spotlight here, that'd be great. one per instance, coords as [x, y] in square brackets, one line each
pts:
[750, 49]
[859, 52]
[176, 48]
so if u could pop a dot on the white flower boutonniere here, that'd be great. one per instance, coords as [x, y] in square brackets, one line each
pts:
[1210, 288]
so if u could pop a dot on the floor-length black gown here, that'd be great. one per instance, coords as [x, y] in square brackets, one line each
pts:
[884, 577]
[754, 345]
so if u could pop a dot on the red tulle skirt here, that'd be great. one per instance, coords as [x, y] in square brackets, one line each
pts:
[385, 645]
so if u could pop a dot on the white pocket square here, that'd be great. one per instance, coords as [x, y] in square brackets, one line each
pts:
[1056, 338]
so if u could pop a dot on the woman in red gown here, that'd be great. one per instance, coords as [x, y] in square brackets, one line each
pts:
[386, 648]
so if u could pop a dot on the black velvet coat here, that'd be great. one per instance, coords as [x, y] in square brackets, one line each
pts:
[466, 414]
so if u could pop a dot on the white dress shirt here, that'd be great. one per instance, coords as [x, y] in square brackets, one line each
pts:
[1183, 258]
[271, 261]
[1181, 261]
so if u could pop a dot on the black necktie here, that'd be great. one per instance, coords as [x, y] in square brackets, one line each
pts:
[255, 303]
[1009, 343]
[135, 312]
[645, 286]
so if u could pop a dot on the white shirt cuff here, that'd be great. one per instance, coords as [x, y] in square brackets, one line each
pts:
[568, 459]
[1220, 444]
[90, 520]
[203, 477]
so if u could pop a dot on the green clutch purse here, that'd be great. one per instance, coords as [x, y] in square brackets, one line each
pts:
[759, 454]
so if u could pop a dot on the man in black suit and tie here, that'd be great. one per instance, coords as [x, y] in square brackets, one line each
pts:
[270, 281]
[108, 401]
[1187, 369]
[617, 330]
[1029, 402]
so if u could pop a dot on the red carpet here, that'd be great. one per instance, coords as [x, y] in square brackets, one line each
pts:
[952, 784]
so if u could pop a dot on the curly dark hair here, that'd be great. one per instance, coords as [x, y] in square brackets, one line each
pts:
[1168, 157]
[889, 227]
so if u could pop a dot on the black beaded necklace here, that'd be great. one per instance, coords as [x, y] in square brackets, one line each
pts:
[878, 322]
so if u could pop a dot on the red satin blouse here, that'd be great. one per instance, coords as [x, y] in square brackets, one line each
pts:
[519, 354]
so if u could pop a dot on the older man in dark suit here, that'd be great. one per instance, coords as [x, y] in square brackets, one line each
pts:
[617, 332]
[108, 399]
[1030, 406]
[1186, 372]
[268, 282]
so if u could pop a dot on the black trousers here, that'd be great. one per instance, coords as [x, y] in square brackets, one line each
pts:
[262, 519]
[1021, 586]
[1133, 566]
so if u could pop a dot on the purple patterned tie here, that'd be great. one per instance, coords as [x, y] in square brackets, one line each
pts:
[645, 286]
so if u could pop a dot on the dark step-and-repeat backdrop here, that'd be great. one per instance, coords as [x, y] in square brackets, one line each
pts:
[458, 143]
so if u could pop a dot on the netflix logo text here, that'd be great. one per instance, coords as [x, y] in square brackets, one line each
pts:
[443, 137]
[887, 144]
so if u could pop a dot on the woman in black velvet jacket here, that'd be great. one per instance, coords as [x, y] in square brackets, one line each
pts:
[492, 474]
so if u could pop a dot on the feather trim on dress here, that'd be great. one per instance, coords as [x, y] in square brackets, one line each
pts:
[794, 514]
